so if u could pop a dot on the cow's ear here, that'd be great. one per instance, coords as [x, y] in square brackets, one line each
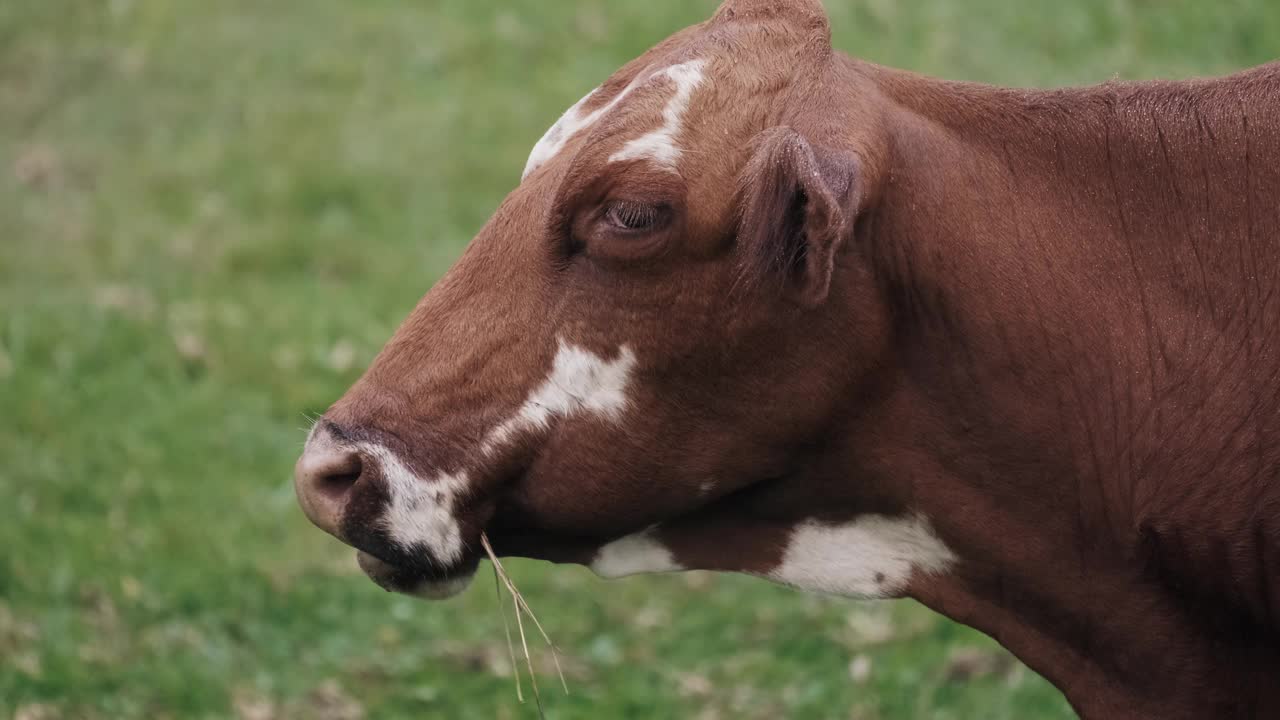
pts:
[799, 202]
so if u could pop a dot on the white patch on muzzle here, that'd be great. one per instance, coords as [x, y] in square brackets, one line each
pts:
[421, 511]
[873, 556]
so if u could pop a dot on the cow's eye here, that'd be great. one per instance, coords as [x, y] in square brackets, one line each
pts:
[621, 230]
[634, 216]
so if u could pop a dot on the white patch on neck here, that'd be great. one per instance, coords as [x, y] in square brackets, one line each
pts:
[637, 553]
[873, 556]
[420, 512]
[580, 381]
[569, 124]
[660, 145]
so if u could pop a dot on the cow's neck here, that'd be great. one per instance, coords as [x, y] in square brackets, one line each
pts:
[1064, 268]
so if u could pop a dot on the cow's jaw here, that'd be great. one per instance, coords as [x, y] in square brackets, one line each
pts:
[396, 579]
[867, 557]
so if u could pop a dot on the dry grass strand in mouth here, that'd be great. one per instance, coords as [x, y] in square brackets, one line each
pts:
[501, 578]
[506, 630]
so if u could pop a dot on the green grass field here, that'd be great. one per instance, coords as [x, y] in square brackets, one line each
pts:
[212, 214]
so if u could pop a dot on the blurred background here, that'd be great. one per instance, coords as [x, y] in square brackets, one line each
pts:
[212, 215]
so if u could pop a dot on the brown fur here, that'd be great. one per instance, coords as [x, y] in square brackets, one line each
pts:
[1045, 320]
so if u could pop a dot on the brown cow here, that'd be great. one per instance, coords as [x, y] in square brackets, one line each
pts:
[760, 307]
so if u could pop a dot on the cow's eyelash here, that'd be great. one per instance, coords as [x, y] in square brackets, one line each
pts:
[634, 216]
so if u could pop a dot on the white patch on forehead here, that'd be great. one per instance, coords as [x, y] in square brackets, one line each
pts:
[634, 554]
[660, 145]
[420, 512]
[566, 127]
[871, 557]
[580, 381]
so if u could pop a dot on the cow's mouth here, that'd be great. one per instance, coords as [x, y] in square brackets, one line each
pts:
[416, 581]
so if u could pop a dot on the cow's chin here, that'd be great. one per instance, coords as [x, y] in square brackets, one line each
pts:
[413, 582]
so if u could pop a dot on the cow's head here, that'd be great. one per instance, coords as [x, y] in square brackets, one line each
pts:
[649, 339]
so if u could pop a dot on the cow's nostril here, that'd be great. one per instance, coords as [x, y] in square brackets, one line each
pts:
[323, 480]
[339, 479]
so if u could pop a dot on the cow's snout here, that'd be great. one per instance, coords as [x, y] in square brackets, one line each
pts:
[324, 478]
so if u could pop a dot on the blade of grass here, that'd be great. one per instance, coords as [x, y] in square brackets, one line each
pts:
[555, 654]
[506, 629]
[522, 608]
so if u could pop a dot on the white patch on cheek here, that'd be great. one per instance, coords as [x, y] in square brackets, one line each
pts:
[871, 557]
[580, 381]
[660, 145]
[634, 554]
[420, 512]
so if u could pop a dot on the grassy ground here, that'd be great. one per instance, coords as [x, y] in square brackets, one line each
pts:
[211, 216]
